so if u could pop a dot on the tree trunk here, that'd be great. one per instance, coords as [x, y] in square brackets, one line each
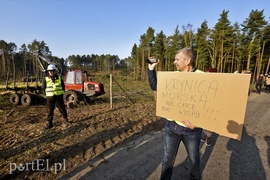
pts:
[4, 65]
[143, 68]
[260, 56]
[137, 65]
[232, 68]
[257, 66]
[24, 65]
[221, 51]
[249, 54]
[14, 68]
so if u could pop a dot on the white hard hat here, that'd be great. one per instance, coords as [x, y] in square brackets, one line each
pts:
[51, 67]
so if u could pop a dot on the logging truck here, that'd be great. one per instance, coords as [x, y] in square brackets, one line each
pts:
[78, 87]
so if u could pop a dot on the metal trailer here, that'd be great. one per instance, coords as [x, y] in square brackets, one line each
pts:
[29, 90]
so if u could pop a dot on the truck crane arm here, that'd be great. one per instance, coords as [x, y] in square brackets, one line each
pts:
[40, 57]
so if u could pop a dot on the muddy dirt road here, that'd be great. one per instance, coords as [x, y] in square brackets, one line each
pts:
[125, 142]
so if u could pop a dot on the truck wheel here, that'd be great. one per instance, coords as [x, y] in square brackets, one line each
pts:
[71, 96]
[14, 99]
[26, 100]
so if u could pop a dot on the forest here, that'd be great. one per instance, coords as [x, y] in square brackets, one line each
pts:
[228, 47]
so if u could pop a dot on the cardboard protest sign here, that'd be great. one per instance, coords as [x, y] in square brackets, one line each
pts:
[214, 101]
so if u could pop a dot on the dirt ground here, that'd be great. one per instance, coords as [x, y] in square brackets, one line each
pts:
[29, 152]
[124, 142]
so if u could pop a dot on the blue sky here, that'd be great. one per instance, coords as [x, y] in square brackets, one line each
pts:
[110, 26]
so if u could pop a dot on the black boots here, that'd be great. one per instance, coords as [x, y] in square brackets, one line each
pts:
[48, 126]
[66, 121]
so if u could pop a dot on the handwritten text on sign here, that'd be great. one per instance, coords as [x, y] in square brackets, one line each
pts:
[189, 96]
[208, 100]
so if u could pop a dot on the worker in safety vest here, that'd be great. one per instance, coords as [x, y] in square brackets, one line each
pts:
[54, 88]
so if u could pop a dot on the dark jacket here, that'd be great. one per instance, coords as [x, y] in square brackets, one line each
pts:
[172, 125]
[260, 81]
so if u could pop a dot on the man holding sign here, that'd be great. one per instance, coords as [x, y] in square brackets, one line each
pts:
[177, 131]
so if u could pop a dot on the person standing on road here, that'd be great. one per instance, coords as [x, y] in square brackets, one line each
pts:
[54, 88]
[175, 131]
[259, 83]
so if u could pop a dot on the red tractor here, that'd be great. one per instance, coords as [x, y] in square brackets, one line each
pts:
[78, 87]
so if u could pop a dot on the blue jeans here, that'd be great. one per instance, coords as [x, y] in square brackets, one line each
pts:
[171, 145]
